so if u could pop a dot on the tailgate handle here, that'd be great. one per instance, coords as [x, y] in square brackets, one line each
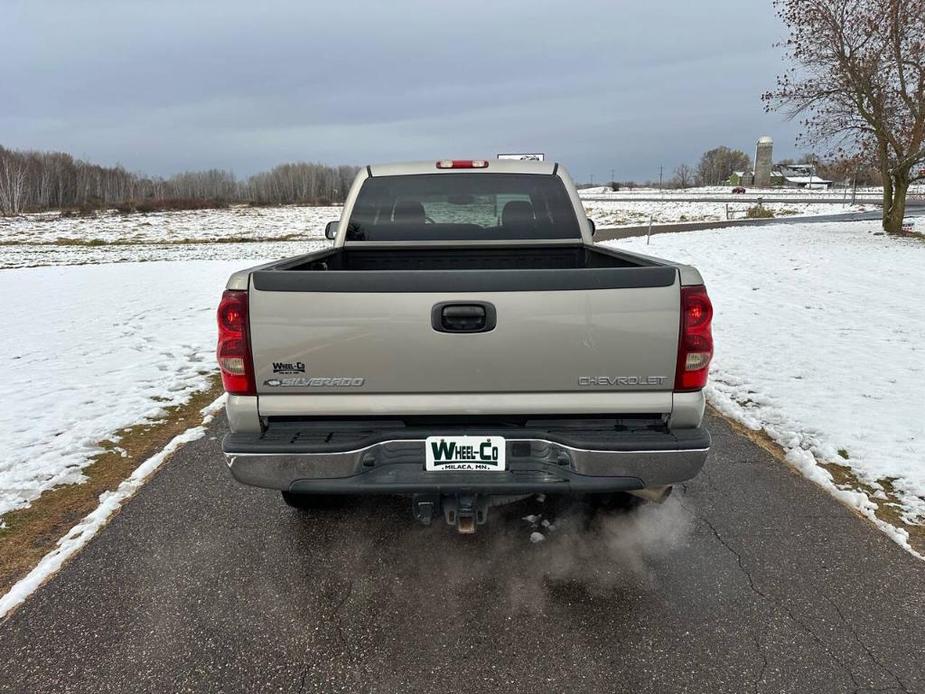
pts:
[471, 317]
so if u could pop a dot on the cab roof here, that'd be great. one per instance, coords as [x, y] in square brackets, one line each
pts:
[508, 166]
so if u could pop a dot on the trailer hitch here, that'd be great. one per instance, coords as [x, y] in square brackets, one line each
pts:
[464, 511]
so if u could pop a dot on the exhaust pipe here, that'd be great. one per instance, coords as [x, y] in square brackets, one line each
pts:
[654, 494]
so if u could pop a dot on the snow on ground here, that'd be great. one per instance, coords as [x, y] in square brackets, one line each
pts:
[820, 342]
[634, 212]
[865, 194]
[261, 223]
[89, 350]
[110, 502]
[114, 341]
[49, 239]
[27, 255]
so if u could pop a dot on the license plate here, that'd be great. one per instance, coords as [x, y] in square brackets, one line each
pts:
[466, 453]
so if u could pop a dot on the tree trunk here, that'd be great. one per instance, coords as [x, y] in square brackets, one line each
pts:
[894, 209]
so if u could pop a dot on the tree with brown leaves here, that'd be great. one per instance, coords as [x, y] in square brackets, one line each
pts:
[859, 80]
[716, 165]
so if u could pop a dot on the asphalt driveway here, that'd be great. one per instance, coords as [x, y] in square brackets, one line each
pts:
[750, 579]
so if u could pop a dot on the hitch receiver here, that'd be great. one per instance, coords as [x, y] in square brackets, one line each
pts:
[464, 511]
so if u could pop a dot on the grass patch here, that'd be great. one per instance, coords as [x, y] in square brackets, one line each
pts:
[888, 510]
[63, 241]
[233, 239]
[169, 205]
[32, 532]
[914, 235]
[759, 212]
[88, 208]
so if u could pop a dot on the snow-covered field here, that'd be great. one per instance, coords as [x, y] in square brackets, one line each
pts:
[257, 223]
[237, 233]
[710, 204]
[633, 212]
[866, 194]
[820, 342]
[49, 239]
[30, 256]
[92, 349]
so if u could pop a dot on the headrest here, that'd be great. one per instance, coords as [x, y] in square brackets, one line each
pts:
[409, 212]
[517, 213]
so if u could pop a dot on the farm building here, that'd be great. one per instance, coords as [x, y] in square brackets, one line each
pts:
[791, 176]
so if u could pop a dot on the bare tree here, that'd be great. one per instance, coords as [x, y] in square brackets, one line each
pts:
[683, 177]
[860, 86]
[13, 169]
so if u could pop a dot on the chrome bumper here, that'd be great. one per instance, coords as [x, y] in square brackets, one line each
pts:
[534, 465]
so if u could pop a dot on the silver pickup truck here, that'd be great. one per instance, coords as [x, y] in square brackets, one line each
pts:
[465, 343]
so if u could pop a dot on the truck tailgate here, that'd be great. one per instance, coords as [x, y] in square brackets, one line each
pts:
[590, 340]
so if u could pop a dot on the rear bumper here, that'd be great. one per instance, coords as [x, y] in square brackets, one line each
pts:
[362, 462]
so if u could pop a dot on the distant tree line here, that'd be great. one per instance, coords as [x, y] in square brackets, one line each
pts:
[34, 181]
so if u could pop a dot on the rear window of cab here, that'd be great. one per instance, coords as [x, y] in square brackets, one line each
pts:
[461, 206]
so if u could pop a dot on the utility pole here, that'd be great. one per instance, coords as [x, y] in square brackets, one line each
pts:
[660, 171]
[612, 176]
[592, 180]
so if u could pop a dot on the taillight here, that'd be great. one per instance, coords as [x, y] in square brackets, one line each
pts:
[462, 164]
[234, 351]
[695, 343]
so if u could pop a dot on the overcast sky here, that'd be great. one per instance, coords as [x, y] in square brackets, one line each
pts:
[162, 86]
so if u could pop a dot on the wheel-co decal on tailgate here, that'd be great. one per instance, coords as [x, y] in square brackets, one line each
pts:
[476, 453]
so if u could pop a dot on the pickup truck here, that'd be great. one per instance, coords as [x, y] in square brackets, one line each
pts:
[464, 343]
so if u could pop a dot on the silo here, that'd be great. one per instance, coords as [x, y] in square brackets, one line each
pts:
[764, 154]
